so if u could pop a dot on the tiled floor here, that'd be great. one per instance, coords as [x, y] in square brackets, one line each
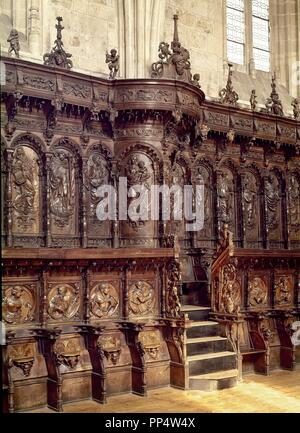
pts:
[279, 392]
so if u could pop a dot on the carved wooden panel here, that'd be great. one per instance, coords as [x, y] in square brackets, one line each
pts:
[203, 177]
[273, 207]
[64, 299]
[226, 199]
[104, 299]
[20, 300]
[25, 187]
[178, 178]
[97, 174]
[139, 170]
[63, 195]
[293, 206]
[251, 208]
[228, 295]
[283, 289]
[258, 290]
[142, 299]
[21, 357]
[151, 343]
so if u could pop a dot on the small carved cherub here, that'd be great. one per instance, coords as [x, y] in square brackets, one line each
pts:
[196, 79]
[13, 40]
[296, 106]
[113, 63]
[253, 101]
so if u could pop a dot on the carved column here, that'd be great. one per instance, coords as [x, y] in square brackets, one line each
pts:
[34, 35]
[9, 198]
[48, 157]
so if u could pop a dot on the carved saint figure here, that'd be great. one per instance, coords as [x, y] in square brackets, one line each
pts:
[258, 292]
[283, 291]
[14, 44]
[63, 302]
[113, 63]
[103, 303]
[96, 173]
[294, 203]
[249, 198]
[62, 187]
[141, 298]
[224, 198]
[24, 172]
[272, 201]
[17, 305]
[180, 58]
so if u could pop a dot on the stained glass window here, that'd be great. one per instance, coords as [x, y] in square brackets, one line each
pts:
[235, 31]
[260, 34]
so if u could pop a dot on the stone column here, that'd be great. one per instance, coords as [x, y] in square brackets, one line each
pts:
[34, 36]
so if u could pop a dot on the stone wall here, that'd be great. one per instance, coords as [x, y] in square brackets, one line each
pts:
[135, 28]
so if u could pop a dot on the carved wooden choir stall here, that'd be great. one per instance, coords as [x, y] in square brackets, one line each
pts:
[93, 308]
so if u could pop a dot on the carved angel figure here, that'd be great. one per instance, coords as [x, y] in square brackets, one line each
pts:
[23, 175]
[113, 63]
[14, 44]
[253, 101]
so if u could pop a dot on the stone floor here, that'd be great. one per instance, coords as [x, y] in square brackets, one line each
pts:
[279, 392]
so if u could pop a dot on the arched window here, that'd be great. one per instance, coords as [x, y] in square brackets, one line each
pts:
[248, 33]
[260, 34]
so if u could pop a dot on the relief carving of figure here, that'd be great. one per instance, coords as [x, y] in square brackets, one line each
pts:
[141, 298]
[14, 44]
[103, 303]
[272, 201]
[294, 203]
[230, 299]
[63, 302]
[224, 198]
[25, 183]
[258, 292]
[62, 187]
[283, 291]
[96, 174]
[18, 305]
[113, 63]
[138, 174]
[249, 198]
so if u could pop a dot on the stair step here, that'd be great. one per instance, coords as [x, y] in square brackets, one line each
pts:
[193, 308]
[205, 339]
[217, 375]
[214, 381]
[202, 323]
[209, 356]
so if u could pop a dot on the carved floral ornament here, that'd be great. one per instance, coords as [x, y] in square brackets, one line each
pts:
[58, 56]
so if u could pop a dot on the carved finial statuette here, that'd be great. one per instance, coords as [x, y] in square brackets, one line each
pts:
[113, 63]
[228, 95]
[14, 44]
[296, 107]
[58, 56]
[273, 103]
[253, 101]
[196, 79]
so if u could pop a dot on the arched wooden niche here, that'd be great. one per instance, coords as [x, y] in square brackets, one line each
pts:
[273, 209]
[139, 169]
[97, 173]
[226, 199]
[293, 207]
[203, 177]
[63, 190]
[178, 178]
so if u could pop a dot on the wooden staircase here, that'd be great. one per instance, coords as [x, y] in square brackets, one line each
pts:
[211, 360]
